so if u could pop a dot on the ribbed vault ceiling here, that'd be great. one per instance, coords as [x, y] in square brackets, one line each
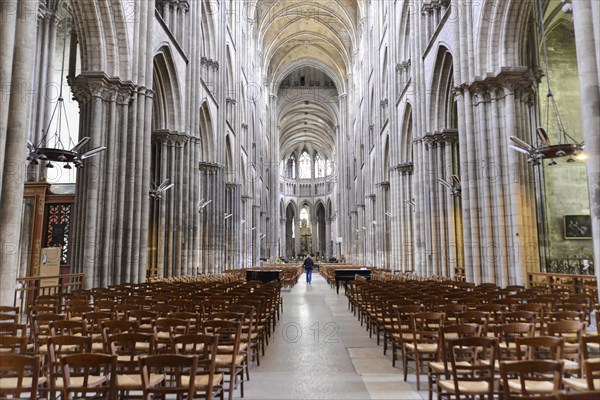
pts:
[300, 33]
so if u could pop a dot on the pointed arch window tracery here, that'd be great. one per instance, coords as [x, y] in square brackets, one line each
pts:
[304, 165]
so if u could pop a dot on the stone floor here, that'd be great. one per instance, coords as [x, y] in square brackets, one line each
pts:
[320, 351]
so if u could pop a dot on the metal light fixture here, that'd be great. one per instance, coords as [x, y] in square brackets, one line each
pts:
[50, 147]
[455, 187]
[157, 191]
[567, 146]
[202, 203]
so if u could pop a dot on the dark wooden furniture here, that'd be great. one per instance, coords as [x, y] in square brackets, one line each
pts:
[345, 275]
[263, 276]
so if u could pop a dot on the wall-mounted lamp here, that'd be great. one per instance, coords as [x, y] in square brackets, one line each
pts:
[203, 204]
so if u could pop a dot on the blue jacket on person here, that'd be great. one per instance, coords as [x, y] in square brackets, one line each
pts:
[308, 263]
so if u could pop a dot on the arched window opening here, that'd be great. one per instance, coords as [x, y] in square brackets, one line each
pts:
[305, 164]
[291, 167]
[304, 215]
[319, 166]
[329, 169]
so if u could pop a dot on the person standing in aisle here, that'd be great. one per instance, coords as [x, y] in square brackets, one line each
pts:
[308, 265]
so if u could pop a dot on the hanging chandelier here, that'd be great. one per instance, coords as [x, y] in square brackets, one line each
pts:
[567, 146]
[50, 148]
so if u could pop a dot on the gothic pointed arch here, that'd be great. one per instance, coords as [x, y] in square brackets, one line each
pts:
[103, 34]
[206, 132]
[166, 113]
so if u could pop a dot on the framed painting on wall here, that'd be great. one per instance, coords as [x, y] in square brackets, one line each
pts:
[577, 227]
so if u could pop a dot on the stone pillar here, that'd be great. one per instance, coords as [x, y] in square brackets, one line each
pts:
[329, 249]
[273, 231]
[104, 196]
[297, 226]
[255, 234]
[282, 238]
[43, 79]
[315, 245]
[585, 16]
[8, 17]
[13, 132]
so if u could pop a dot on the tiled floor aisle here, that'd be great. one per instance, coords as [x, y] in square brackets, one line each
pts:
[320, 351]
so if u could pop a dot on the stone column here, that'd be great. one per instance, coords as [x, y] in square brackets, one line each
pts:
[329, 250]
[8, 17]
[315, 245]
[297, 226]
[13, 142]
[102, 239]
[585, 16]
[283, 238]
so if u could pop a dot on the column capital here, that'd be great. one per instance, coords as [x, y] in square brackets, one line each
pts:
[208, 167]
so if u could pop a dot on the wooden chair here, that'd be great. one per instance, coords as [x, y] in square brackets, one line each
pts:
[114, 326]
[166, 329]
[121, 311]
[144, 318]
[164, 309]
[77, 310]
[403, 330]
[591, 380]
[452, 312]
[9, 314]
[443, 367]
[259, 322]
[193, 318]
[540, 348]
[249, 340]
[40, 330]
[473, 372]
[425, 344]
[205, 347]
[129, 349]
[68, 327]
[564, 315]
[231, 362]
[531, 379]
[572, 332]
[93, 321]
[528, 317]
[20, 376]
[179, 373]
[481, 318]
[13, 328]
[590, 395]
[58, 347]
[13, 344]
[507, 335]
[89, 373]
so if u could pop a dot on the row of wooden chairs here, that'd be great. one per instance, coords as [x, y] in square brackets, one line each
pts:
[413, 316]
[164, 311]
[83, 374]
[120, 337]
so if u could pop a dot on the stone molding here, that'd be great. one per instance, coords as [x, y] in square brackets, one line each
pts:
[169, 136]
[404, 168]
[89, 85]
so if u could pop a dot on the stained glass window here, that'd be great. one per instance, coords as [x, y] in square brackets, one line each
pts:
[305, 166]
[319, 166]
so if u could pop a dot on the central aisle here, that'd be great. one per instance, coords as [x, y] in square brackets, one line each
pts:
[320, 351]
